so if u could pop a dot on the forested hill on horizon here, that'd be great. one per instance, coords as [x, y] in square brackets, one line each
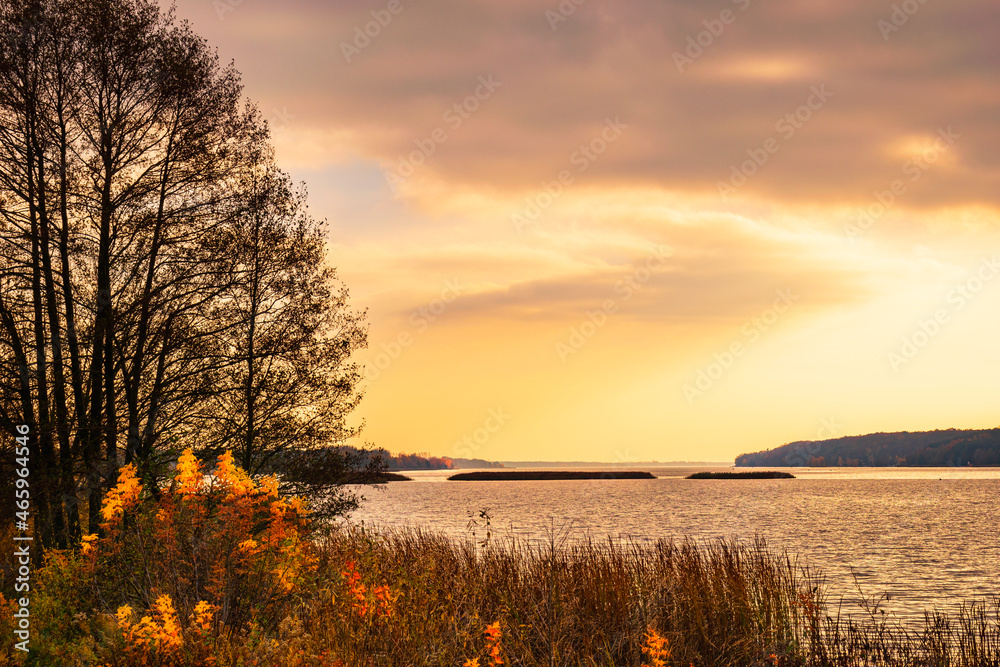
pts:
[950, 447]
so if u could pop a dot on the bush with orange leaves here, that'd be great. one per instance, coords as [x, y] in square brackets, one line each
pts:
[494, 637]
[220, 540]
[657, 648]
[370, 604]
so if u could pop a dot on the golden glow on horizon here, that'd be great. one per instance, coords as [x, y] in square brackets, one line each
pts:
[765, 69]
[928, 149]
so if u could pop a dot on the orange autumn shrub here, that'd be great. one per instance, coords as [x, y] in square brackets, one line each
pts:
[352, 610]
[158, 638]
[493, 637]
[494, 647]
[657, 648]
[66, 628]
[222, 540]
[369, 603]
[158, 633]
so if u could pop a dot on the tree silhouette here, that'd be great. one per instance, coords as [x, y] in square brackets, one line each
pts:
[161, 281]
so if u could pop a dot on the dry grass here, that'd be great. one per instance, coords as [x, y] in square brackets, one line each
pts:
[592, 603]
[406, 597]
[224, 575]
[717, 603]
[968, 638]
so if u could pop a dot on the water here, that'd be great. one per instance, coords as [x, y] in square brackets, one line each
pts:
[926, 536]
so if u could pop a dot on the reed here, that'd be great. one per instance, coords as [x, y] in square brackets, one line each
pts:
[594, 603]
[968, 638]
[583, 604]
[228, 574]
[409, 597]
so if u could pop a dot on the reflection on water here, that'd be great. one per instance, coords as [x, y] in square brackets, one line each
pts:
[928, 537]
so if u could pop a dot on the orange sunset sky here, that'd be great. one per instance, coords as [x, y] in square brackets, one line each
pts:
[646, 229]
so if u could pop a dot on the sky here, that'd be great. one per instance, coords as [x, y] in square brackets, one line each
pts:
[645, 230]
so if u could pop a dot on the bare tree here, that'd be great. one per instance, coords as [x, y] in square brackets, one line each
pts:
[161, 283]
[290, 335]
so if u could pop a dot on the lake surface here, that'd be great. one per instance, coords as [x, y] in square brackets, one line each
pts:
[927, 536]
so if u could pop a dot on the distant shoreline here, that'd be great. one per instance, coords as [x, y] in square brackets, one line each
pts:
[604, 464]
[548, 475]
[390, 477]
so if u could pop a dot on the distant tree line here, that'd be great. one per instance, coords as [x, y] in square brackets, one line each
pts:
[162, 283]
[950, 447]
[421, 461]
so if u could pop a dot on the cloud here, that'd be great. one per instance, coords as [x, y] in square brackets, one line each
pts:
[739, 107]
[655, 262]
[686, 129]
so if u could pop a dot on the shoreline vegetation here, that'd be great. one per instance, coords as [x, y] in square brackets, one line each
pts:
[220, 569]
[757, 474]
[381, 477]
[548, 475]
[935, 449]
[422, 461]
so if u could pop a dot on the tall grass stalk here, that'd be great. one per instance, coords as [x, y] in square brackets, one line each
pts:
[180, 583]
[588, 603]
[592, 602]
